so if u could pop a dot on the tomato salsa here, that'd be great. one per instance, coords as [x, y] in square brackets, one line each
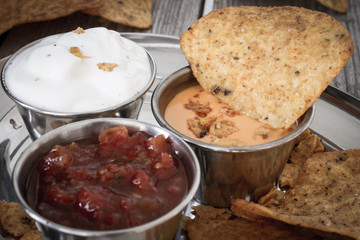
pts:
[120, 180]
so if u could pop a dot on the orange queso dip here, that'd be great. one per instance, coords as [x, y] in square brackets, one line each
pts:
[201, 116]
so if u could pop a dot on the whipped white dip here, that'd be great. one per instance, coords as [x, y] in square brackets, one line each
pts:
[79, 72]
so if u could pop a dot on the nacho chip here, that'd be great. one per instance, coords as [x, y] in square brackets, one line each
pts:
[271, 63]
[326, 196]
[305, 148]
[336, 5]
[32, 235]
[308, 145]
[14, 222]
[134, 13]
[14, 12]
[212, 223]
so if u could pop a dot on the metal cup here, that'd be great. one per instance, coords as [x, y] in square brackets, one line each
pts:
[39, 121]
[164, 227]
[228, 172]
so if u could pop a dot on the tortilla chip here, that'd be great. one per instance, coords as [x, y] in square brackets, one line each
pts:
[336, 5]
[14, 12]
[14, 222]
[303, 150]
[303, 135]
[326, 196]
[211, 223]
[32, 235]
[134, 13]
[271, 63]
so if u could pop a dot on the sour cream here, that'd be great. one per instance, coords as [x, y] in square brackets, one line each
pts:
[80, 71]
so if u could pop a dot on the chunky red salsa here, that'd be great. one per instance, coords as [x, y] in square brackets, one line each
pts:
[120, 181]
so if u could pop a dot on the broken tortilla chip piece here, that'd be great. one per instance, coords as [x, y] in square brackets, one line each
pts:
[302, 151]
[15, 12]
[134, 13]
[14, 222]
[32, 235]
[326, 196]
[270, 63]
[218, 223]
[336, 5]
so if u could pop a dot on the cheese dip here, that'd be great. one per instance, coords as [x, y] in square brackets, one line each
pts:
[201, 116]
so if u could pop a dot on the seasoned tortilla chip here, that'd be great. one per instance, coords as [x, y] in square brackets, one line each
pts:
[211, 224]
[32, 235]
[14, 12]
[326, 196]
[336, 5]
[271, 63]
[303, 150]
[134, 13]
[14, 222]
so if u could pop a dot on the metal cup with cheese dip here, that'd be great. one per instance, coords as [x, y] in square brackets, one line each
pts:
[227, 171]
[77, 75]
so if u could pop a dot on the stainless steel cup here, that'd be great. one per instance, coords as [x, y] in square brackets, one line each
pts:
[228, 172]
[39, 121]
[164, 227]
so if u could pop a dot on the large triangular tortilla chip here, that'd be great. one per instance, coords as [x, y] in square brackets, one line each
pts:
[326, 196]
[271, 63]
[14, 12]
[134, 13]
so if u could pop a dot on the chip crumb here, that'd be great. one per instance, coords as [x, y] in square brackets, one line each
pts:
[107, 67]
[200, 109]
[200, 130]
[223, 128]
[77, 53]
[228, 111]
[79, 30]
[263, 132]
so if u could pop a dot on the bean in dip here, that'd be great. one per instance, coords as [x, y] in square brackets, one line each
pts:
[117, 181]
[79, 71]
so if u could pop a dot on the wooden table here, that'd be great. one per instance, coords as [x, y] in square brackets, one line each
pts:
[172, 17]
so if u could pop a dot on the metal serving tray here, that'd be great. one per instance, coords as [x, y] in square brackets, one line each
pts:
[337, 117]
